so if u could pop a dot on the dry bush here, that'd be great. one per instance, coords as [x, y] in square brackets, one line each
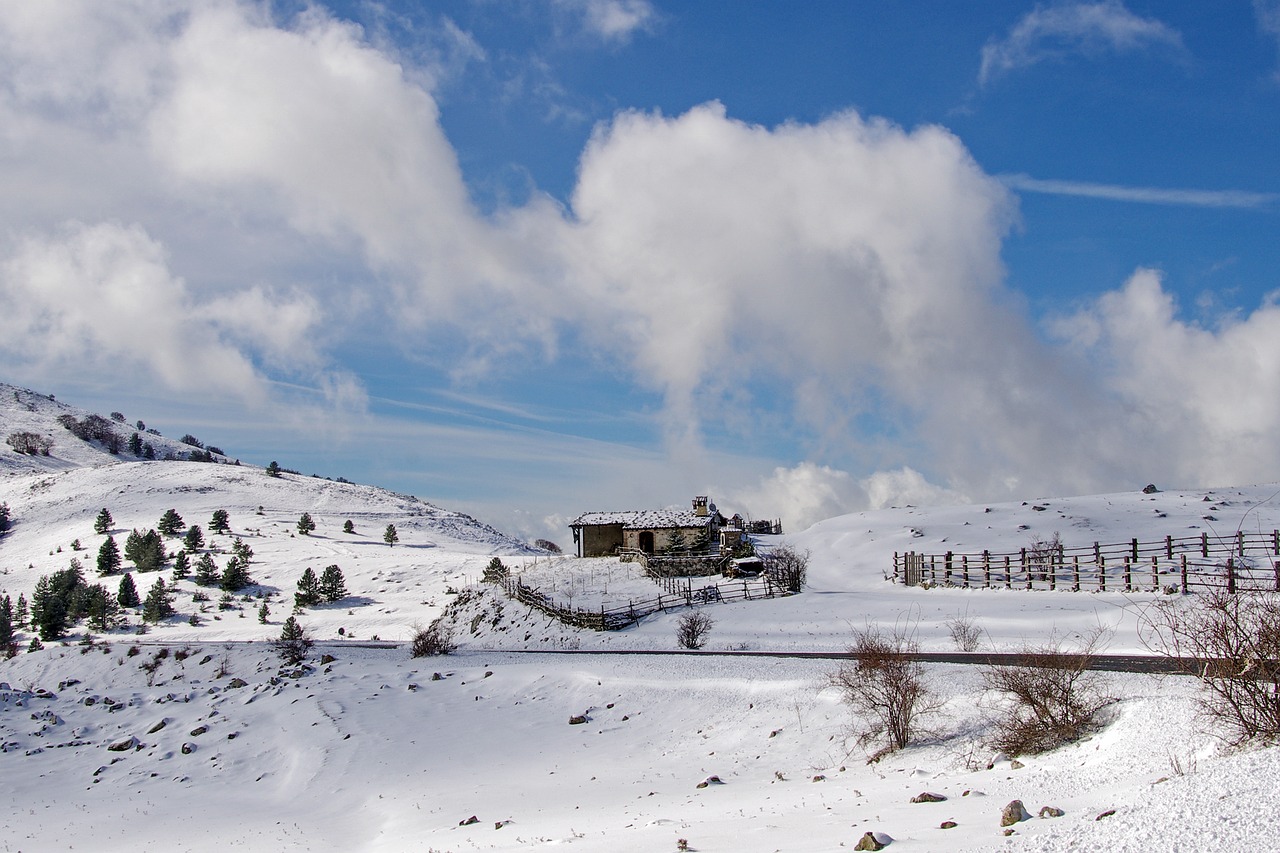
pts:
[1042, 554]
[786, 567]
[965, 633]
[884, 686]
[435, 639]
[693, 628]
[1048, 697]
[1232, 644]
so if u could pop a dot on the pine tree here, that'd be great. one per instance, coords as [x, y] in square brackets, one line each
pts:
[235, 576]
[348, 527]
[207, 571]
[293, 644]
[100, 607]
[308, 593]
[127, 594]
[171, 523]
[109, 557]
[242, 551]
[181, 567]
[273, 470]
[332, 585]
[263, 612]
[220, 523]
[145, 550]
[158, 604]
[6, 624]
[390, 536]
[48, 610]
[103, 522]
[20, 611]
[4, 517]
[194, 539]
[305, 524]
[135, 445]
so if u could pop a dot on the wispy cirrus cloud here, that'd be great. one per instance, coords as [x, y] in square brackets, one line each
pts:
[1088, 28]
[1142, 195]
[612, 20]
[1268, 14]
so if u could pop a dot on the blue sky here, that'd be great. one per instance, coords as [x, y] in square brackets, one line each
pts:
[527, 259]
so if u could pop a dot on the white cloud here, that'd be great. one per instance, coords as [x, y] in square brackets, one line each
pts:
[801, 496]
[1268, 14]
[907, 486]
[1070, 28]
[612, 20]
[1145, 195]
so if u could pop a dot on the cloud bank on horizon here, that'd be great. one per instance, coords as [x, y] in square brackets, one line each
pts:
[226, 200]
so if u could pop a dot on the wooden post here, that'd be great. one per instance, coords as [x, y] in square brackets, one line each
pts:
[933, 570]
[1240, 542]
[1097, 554]
[1155, 575]
[1276, 569]
[1128, 578]
[1053, 570]
[986, 569]
[1275, 542]
[1204, 545]
[946, 577]
[1027, 571]
[1008, 581]
[895, 566]
[1168, 547]
[1102, 574]
[1075, 573]
[1184, 574]
[1022, 561]
[1231, 576]
[1134, 546]
[964, 568]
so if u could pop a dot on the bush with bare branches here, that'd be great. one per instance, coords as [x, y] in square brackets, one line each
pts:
[1231, 642]
[965, 632]
[1048, 697]
[884, 686]
[435, 639]
[693, 628]
[786, 567]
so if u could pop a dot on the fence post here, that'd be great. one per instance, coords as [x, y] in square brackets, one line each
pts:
[1007, 580]
[1276, 569]
[1075, 573]
[1231, 576]
[933, 570]
[895, 566]
[986, 569]
[1053, 571]
[1022, 561]
[1097, 554]
[964, 568]
[1204, 545]
[1240, 542]
[1155, 576]
[1027, 570]
[1128, 578]
[1184, 574]
[1275, 542]
[1168, 547]
[1102, 574]
[946, 576]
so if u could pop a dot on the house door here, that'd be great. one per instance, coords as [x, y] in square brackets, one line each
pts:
[646, 541]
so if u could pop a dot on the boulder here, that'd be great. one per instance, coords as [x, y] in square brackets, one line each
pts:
[868, 841]
[469, 821]
[1013, 813]
[1051, 811]
[123, 745]
[928, 797]
[577, 719]
[947, 824]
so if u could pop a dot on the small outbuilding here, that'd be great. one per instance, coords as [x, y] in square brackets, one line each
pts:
[652, 531]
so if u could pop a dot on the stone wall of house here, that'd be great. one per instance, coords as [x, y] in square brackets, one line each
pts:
[600, 540]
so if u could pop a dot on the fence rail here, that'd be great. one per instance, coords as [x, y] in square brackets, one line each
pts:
[674, 596]
[1244, 562]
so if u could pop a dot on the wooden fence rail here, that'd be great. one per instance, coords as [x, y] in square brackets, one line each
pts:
[675, 596]
[1243, 562]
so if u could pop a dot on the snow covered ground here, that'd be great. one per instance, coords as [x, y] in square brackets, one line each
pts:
[370, 752]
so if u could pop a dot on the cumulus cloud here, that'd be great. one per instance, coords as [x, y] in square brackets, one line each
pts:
[1090, 28]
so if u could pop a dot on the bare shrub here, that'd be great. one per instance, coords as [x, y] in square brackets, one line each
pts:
[1048, 697]
[884, 686]
[1042, 554]
[965, 632]
[435, 639]
[1231, 643]
[693, 629]
[786, 567]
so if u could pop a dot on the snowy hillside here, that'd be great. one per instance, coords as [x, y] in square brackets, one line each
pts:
[193, 736]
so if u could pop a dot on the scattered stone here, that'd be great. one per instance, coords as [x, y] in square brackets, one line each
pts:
[123, 745]
[435, 676]
[1051, 811]
[204, 660]
[199, 730]
[947, 824]
[498, 824]
[868, 841]
[711, 780]
[819, 778]
[1008, 832]
[488, 673]
[188, 748]
[775, 732]
[412, 688]
[927, 797]
[326, 659]
[1013, 813]
[236, 684]
[577, 719]
[469, 821]
[1107, 813]
[1150, 489]
[1016, 765]
[70, 682]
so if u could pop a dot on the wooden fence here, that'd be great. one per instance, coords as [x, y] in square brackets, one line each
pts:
[675, 595]
[1245, 562]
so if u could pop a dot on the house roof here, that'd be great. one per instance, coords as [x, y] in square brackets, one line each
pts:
[643, 518]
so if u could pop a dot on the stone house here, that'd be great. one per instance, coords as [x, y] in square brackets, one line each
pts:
[652, 531]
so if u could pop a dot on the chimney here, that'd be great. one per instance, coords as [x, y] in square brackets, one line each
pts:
[700, 506]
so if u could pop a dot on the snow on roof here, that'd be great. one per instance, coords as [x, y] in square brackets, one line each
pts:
[643, 518]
